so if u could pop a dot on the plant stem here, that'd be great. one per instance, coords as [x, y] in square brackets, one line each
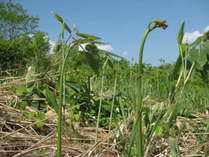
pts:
[100, 105]
[59, 136]
[139, 135]
[112, 106]
[66, 52]
[137, 132]
[101, 97]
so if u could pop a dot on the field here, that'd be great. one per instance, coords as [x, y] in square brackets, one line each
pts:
[82, 101]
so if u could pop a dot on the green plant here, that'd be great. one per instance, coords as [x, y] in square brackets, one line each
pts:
[137, 132]
[95, 58]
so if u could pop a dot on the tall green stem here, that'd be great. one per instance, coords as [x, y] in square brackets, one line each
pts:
[66, 52]
[139, 135]
[137, 132]
[112, 106]
[100, 106]
[59, 136]
[101, 97]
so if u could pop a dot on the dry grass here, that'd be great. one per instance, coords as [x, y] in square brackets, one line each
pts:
[20, 137]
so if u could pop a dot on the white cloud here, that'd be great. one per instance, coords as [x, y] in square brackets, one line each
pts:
[52, 44]
[191, 37]
[106, 47]
[80, 48]
[75, 29]
[125, 53]
[30, 35]
[206, 29]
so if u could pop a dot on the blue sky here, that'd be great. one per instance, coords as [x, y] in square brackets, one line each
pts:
[121, 23]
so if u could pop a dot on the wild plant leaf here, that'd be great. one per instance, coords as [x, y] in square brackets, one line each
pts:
[199, 55]
[29, 115]
[87, 41]
[62, 21]
[110, 62]
[88, 36]
[91, 48]
[73, 85]
[184, 48]
[98, 42]
[51, 98]
[177, 68]
[41, 115]
[22, 105]
[82, 41]
[182, 51]
[181, 34]
[110, 54]
[67, 28]
[59, 18]
[93, 61]
[196, 43]
[146, 113]
[159, 130]
[22, 91]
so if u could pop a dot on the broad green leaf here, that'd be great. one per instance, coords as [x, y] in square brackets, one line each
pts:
[51, 98]
[88, 36]
[181, 34]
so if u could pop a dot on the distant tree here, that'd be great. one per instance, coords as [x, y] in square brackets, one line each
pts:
[15, 21]
[26, 50]
[20, 42]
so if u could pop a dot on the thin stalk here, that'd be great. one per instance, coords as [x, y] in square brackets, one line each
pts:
[137, 132]
[112, 106]
[61, 95]
[100, 107]
[61, 99]
[101, 98]
[140, 139]
[59, 136]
